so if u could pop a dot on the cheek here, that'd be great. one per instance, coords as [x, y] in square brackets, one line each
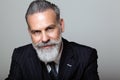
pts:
[55, 35]
[35, 39]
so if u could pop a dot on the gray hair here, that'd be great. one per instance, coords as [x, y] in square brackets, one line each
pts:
[41, 6]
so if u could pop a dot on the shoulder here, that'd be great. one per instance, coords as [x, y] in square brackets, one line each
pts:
[22, 52]
[24, 47]
[77, 46]
[81, 47]
[81, 51]
[21, 49]
[84, 50]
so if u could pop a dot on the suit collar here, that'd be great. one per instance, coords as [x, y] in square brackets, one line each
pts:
[37, 66]
[67, 62]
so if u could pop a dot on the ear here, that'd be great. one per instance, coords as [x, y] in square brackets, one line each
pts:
[62, 25]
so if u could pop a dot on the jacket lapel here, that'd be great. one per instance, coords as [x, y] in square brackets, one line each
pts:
[68, 62]
[39, 68]
[34, 64]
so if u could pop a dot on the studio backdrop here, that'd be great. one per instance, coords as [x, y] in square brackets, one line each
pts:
[95, 23]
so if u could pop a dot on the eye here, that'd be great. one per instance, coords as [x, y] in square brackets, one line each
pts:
[35, 32]
[50, 28]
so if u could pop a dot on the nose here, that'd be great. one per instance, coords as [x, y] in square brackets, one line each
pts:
[45, 37]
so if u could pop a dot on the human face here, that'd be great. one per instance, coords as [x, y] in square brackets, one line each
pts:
[44, 27]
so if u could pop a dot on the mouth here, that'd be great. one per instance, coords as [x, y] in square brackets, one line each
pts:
[47, 46]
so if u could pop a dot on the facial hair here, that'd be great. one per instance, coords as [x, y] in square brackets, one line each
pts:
[48, 54]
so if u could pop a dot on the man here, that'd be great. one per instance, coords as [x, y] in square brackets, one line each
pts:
[71, 61]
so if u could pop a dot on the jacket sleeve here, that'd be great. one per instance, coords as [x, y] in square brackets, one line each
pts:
[15, 71]
[91, 68]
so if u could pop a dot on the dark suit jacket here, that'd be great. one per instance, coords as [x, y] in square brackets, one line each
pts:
[77, 62]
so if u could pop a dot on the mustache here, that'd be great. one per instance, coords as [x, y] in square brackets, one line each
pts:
[51, 42]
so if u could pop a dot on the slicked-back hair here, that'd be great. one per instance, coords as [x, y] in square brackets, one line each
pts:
[41, 6]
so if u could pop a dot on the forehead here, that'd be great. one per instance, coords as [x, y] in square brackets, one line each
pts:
[49, 13]
[43, 19]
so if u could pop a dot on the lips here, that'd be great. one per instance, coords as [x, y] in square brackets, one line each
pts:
[47, 46]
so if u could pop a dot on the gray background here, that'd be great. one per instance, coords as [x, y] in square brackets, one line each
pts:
[95, 23]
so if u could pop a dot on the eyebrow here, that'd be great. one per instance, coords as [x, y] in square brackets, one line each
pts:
[51, 26]
[33, 31]
[37, 30]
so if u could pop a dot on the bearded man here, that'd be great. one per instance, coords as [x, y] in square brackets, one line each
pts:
[50, 56]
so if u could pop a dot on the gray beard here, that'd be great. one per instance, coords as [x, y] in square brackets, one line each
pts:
[48, 54]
